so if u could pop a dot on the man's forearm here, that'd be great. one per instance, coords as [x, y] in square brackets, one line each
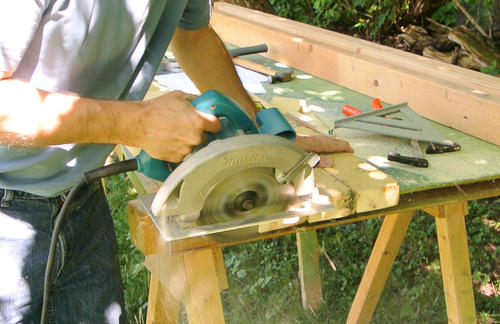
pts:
[31, 117]
[167, 127]
[204, 58]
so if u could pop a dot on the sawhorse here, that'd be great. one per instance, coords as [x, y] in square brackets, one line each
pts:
[192, 271]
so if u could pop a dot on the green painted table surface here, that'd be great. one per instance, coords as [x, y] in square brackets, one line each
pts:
[476, 161]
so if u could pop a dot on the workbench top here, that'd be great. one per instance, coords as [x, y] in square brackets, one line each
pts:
[476, 161]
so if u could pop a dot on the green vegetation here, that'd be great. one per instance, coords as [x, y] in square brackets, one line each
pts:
[134, 275]
[366, 17]
[263, 276]
[375, 19]
[493, 69]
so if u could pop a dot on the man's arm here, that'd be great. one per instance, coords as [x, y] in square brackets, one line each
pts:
[205, 59]
[166, 127]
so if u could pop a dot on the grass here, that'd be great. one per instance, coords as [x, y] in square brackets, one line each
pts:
[134, 275]
[264, 285]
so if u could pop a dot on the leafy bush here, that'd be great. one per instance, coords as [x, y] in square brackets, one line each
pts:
[367, 17]
[376, 18]
[493, 69]
[485, 13]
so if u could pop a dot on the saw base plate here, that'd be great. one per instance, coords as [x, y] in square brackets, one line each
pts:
[172, 231]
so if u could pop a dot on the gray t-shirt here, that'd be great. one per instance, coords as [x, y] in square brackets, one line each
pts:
[107, 49]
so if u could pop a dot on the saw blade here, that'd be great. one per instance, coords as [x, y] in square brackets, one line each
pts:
[172, 231]
[245, 179]
[184, 192]
[245, 195]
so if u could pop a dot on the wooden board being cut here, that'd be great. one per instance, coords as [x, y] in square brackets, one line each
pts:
[352, 185]
[356, 184]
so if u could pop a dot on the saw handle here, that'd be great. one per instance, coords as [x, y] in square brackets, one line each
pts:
[234, 121]
[234, 118]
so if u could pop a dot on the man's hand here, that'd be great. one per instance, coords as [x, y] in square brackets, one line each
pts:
[323, 144]
[169, 127]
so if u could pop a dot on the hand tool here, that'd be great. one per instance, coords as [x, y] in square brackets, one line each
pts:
[273, 75]
[435, 148]
[376, 104]
[244, 176]
[417, 161]
[255, 49]
[173, 67]
[380, 121]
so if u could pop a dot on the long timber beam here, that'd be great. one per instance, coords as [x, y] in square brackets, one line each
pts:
[466, 100]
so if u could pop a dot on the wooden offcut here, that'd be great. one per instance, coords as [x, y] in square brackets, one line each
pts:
[462, 99]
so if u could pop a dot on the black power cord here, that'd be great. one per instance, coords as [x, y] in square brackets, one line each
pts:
[88, 177]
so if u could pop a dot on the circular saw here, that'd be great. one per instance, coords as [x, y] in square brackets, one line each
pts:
[243, 177]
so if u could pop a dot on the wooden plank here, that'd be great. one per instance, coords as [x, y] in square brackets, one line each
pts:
[379, 266]
[455, 264]
[407, 202]
[309, 270]
[203, 303]
[368, 188]
[472, 107]
[352, 185]
[373, 189]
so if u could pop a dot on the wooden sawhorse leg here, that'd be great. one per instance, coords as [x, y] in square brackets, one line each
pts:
[455, 263]
[309, 271]
[379, 265]
[194, 278]
[454, 256]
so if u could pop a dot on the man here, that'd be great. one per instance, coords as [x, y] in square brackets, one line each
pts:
[73, 73]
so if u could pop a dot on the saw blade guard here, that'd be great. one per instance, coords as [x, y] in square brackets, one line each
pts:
[215, 176]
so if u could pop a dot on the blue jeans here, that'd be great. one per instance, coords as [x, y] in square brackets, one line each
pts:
[86, 283]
